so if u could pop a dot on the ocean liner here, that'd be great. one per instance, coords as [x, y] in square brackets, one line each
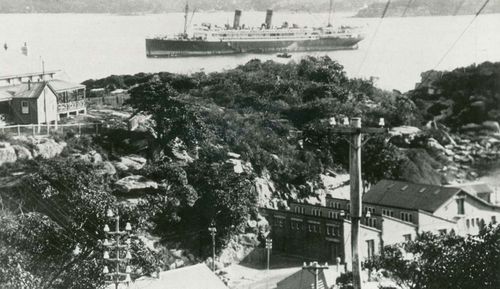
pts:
[213, 40]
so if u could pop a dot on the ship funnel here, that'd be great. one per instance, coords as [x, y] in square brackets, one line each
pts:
[269, 18]
[237, 16]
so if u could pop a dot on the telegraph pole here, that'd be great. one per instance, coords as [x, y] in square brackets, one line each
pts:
[315, 268]
[355, 133]
[118, 248]
[213, 231]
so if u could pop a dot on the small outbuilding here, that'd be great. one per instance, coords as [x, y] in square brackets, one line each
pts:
[30, 103]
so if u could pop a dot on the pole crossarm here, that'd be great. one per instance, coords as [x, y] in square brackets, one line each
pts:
[353, 133]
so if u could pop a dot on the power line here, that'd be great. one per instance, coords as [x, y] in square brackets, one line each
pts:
[454, 43]
[374, 36]
[407, 7]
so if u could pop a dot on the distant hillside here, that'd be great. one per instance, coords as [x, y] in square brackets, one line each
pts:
[159, 6]
[401, 8]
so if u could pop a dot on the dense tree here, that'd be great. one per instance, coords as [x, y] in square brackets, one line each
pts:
[63, 205]
[174, 118]
[444, 261]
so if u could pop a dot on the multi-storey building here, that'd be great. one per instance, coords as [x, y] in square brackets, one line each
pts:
[318, 233]
[393, 212]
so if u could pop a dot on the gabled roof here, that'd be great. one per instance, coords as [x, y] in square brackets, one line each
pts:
[475, 188]
[409, 195]
[23, 90]
[61, 85]
[191, 277]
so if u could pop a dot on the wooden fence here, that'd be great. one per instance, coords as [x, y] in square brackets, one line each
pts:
[44, 129]
[115, 100]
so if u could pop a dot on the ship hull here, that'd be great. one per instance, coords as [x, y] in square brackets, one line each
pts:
[179, 48]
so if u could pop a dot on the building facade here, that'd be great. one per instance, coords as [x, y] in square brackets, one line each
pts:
[392, 212]
[32, 103]
[318, 233]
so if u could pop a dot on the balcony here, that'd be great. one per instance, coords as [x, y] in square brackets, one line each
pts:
[71, 106]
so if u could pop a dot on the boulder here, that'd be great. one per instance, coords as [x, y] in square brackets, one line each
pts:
[106, 168]
[7, 153]
[90, 157]
[131, 162]
[135, 184]
[492, 126]
[48, 148]
[22, 152]
[434, 144]
[141, 122]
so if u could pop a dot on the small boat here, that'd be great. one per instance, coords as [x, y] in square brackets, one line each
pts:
[284, 55]
[5, 46]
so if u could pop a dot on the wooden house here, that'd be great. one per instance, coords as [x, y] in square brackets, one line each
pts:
[31, 103]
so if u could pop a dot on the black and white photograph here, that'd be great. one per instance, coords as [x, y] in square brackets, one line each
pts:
[239, 144]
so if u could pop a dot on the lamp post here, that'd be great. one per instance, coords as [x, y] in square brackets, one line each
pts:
[213, 231]
[269, 246]
[118, 248]
[314, 268]
[355, 133]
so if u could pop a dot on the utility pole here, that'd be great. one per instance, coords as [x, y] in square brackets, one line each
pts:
[355, 133]
[315, 268]
[213, 231]
[118, 248]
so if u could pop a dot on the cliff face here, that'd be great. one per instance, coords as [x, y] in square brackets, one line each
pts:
[408, 8]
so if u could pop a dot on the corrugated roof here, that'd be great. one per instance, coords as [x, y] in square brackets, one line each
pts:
[191, 277]
[408, 195]
[59, 85]
[22, 90]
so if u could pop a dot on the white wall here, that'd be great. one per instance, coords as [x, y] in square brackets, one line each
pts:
[473, 210]
[48, 101]
[365, 234]
[429, 223]
[393, 230]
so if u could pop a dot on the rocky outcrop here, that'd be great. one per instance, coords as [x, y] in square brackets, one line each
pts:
[469, 150]
[29, 147]
[106, 168]
[47, 148]
[130, 163]
[7, 153]
[135, 184]
[90, 157]
[22, 152]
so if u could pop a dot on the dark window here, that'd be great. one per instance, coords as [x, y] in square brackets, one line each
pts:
[25, 109]
[460, 206]
[407, 237]
[493, 219]
[370, 244]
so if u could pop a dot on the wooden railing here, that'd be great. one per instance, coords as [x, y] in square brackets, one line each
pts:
[70, 106]
[44, 129]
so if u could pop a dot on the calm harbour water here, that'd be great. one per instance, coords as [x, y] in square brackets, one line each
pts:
[87, 46]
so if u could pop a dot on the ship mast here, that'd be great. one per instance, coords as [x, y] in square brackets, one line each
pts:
[186, 11]
[330, 14]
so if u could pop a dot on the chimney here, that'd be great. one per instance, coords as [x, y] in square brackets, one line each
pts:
[237, 15]
[29, 84]
[269, 18]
